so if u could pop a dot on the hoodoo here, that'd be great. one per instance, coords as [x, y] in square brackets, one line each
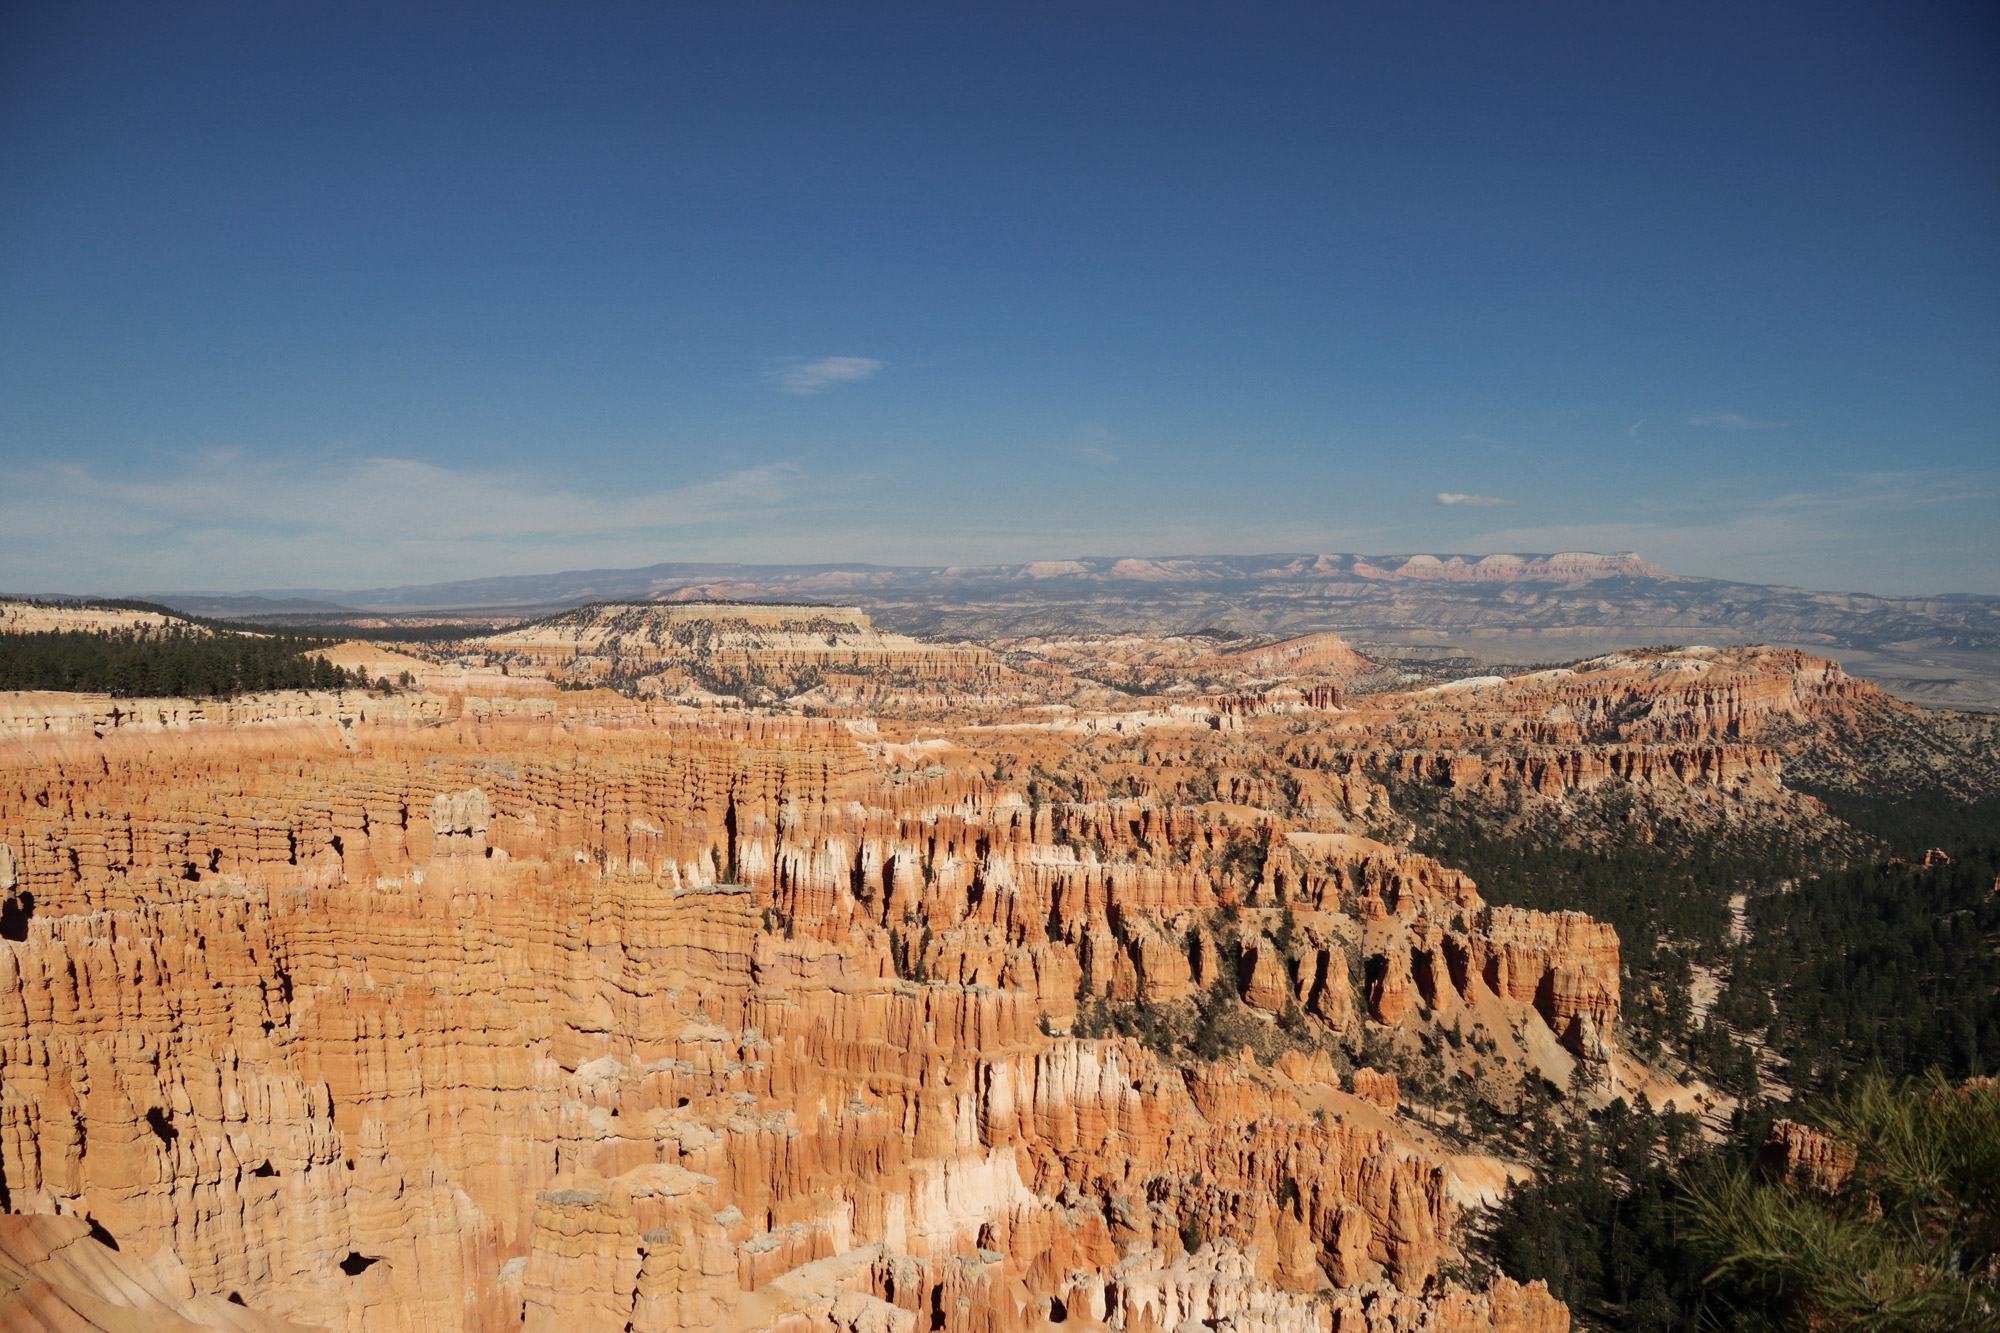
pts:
[455, 879]
[576, 1011]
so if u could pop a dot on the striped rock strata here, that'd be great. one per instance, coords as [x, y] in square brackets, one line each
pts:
[579, 1013]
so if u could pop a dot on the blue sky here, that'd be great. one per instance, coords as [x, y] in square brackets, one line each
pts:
[343, 296]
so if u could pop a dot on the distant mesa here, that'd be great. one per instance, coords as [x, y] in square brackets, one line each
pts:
[1056, 569]
[47, 617]
[736, 582]
[221, 606]
[599, 620]
[1563, 567]
[701, 647]
[721, 592]
[1937, 650]
[834, 657]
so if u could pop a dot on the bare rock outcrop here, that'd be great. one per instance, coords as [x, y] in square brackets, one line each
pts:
[579, 1011]
[1806, 1155]
[55, 1275]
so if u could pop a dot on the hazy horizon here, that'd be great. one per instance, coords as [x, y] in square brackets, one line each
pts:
[717, 567]
[384, 296]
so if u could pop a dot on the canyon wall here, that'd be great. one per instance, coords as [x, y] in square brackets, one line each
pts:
[580, 1012]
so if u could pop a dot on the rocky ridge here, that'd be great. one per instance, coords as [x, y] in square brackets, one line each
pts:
[1936, 650]
[757, 650]
[43, 617]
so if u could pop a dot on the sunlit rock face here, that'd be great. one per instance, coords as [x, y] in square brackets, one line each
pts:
[669, 648]
[578, 1012]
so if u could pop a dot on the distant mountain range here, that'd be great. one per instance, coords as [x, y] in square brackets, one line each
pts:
[1941, 650]
[574, 587]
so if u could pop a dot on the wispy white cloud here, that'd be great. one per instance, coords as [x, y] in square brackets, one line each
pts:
[228, 521]
[1476, 501]
[237, 521]
[1892, 490]
[1735, 421]
[1634, 432]
[1097, 445]
[803, 377]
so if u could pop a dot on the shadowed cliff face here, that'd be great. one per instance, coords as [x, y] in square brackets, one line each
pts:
[581, 1012]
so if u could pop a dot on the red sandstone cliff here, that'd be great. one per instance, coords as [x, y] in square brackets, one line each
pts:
[462, 1012]
[408, 1013]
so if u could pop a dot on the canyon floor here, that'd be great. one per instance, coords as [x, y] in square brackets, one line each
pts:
[682, 966]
